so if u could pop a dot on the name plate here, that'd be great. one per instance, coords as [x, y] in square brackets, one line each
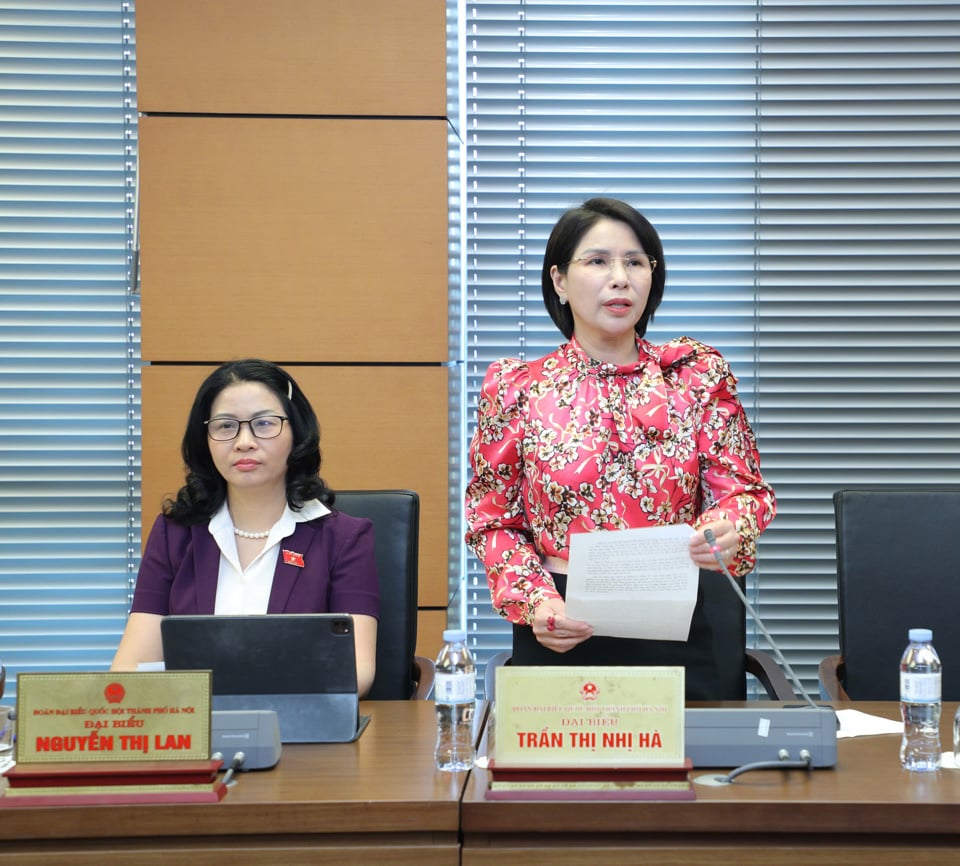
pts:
[82, 717]
[589, 716]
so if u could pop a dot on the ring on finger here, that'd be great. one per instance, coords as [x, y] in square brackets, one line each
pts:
[551, 623]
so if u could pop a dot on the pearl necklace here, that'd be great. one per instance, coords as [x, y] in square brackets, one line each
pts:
[244, 534]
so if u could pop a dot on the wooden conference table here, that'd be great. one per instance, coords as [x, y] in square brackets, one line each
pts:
[866, 810]
[380, 801]
[376, 801]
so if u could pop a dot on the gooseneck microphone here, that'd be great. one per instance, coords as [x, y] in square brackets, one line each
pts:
[794, 679]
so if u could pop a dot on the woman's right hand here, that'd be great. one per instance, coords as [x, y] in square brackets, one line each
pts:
[555, 630]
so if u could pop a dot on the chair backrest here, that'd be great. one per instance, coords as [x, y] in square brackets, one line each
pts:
[728, 623]
[727, 620]
[898, 567]
[396, 523]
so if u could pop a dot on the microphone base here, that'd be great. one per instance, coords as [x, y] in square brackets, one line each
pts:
[730, 737]
[256, 733]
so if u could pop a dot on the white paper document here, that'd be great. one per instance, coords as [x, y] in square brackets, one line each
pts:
[854, 723]
[638, 583]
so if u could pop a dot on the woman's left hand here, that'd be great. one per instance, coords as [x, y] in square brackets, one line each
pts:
[727, 540]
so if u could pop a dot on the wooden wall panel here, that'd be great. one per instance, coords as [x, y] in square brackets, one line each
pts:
[430, 626]
[295, 239]
[293, 206]
[292, 57]
[380, 427]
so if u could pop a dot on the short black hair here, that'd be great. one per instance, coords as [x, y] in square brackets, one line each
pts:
[205, 489]
[565, 237]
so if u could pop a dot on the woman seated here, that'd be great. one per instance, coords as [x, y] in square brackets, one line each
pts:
[253, 530]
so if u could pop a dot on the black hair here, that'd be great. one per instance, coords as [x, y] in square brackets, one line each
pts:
[565, 237]
[205, 489]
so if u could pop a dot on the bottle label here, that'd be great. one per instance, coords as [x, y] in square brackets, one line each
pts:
[919, 688]
[454, 688]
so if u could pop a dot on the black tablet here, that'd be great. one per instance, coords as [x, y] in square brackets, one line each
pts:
[301, 665]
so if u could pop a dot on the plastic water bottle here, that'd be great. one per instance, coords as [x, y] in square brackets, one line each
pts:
[454, 688]
[956, 738]
[920, 703]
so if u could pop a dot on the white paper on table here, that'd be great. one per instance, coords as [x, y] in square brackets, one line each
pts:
[854, 723]
[638, 583]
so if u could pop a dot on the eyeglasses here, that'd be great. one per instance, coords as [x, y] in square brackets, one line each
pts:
[263, 427]
[635, 266]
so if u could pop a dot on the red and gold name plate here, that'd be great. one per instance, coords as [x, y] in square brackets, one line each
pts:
[589, 716]
[113, 716]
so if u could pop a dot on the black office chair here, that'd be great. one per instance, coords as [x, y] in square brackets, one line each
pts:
[735, 661]
[401, 674]
[734, 658]
[898, 567]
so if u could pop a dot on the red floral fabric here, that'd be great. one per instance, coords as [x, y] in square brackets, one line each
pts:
[568, 444]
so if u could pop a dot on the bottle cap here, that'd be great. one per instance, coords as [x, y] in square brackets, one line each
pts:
[454, 635]
[920, 635]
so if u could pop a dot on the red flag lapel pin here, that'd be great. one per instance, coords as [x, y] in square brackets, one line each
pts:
[291, 558]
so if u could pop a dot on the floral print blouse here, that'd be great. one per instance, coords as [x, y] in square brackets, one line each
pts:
[568, 444]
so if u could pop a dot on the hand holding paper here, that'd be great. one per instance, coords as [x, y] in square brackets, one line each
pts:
[635, 583]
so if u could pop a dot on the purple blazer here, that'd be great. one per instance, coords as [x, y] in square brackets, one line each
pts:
[178, 572]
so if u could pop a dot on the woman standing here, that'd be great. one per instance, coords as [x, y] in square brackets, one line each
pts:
[608, 432]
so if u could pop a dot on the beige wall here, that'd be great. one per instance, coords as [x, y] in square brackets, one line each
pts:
[293, 206]
[299, 240]
[365, 58]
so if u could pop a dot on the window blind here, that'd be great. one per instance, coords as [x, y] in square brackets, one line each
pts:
[859, 273]
[800, 163]
[69, 327]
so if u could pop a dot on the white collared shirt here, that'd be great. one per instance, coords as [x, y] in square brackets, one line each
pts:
[247, 591]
